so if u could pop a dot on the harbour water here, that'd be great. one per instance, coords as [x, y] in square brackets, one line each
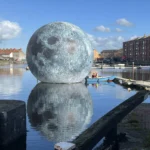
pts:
[60, 112]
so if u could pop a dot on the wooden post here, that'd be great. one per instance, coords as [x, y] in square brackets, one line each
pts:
[112, 134]
[133, 70]
[111, 139]
[102, 65]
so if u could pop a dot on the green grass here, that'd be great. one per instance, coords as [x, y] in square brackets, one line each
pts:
[146, 141]
[133, 121]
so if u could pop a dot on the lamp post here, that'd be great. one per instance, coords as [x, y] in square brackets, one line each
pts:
[102, 65]
[133, 70]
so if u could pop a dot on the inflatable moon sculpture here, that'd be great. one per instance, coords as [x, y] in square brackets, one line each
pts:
[59, 52]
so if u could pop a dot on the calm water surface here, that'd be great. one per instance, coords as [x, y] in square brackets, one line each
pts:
[60, 112]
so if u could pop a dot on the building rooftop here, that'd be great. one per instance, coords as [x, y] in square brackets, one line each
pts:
[8, 51]
[138, 38]
[109, 51]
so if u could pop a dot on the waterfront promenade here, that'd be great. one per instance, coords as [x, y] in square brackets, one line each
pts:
[133, 83]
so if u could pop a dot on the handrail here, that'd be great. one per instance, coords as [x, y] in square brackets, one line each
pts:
[106, 124]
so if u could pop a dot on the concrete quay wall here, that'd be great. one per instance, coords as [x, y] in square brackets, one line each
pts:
[145, 85]
[12, 121]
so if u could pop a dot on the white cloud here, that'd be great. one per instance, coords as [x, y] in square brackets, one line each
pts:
[102, 29]
[123, 22]
[104, 43]
[133, 37]
[92, 39]
[9, 30]
[118, 30]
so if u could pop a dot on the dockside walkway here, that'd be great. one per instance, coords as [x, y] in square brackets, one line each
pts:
[133, 83]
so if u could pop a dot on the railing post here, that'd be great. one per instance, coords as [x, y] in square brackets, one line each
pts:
[111, 135]
[111, 139]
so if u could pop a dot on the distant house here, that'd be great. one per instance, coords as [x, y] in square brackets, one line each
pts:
[112, 53]
[97, 56]
[14, 54]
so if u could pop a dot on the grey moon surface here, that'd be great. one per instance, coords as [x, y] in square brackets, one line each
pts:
[59, 52]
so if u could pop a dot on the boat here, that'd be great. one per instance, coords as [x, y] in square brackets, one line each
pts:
[99, 79]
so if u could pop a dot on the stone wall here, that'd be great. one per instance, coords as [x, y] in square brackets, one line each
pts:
[12, 121]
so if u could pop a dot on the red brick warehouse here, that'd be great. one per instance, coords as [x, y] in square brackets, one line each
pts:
[137, 50]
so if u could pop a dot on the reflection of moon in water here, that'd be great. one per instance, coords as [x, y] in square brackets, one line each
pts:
[60, 111]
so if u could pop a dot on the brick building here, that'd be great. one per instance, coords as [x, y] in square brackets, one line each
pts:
[97, 56]
[137, 50]
[112, 53]
[15, 54]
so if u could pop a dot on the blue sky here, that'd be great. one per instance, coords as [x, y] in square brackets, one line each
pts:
[107, 22]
